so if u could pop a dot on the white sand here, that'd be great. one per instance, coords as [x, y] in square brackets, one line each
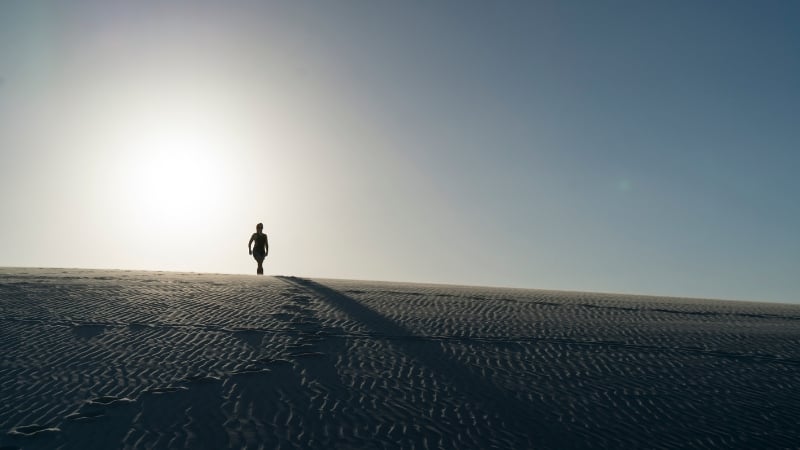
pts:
[110, 359]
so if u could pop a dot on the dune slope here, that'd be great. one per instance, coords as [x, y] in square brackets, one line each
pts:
[108, 359]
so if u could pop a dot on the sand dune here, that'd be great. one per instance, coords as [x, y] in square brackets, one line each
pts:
[110, 359]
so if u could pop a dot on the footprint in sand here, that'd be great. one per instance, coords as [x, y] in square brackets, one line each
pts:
[134, 326]
[31, 430]
[165, 390]
[97, 407]
[298, 349]
[275, 362]
[283, 316]
[294, 308]
[108, 399]
[253, 338]
[306, 354]
[88, 330]
[250, 370]
[306, 325]
[201, 379]
[86, 415]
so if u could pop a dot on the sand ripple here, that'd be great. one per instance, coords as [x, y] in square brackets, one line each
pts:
[106, 359]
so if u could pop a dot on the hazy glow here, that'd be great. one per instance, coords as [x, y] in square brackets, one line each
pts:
[608, 146]
[174, 168]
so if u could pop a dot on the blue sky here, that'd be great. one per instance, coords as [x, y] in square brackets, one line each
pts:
[644, 147]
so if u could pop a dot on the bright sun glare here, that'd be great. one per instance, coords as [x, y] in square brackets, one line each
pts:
[174, 169]
[174, 174]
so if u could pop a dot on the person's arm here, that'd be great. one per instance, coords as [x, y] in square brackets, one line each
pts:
[250, 244]
[266, 246]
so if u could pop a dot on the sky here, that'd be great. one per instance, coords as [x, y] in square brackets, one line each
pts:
[612, 146]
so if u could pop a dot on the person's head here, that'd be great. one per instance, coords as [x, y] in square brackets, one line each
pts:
[259, 227]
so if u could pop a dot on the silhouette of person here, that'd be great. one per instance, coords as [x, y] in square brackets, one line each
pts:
[261, 248]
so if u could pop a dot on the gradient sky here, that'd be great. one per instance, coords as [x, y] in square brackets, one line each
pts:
[617, 146]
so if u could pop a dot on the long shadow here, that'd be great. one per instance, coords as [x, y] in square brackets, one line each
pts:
[522, 418]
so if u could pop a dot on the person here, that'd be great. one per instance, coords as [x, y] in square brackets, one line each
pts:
[261, 248]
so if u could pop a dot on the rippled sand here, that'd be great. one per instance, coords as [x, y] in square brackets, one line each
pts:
[116, 359]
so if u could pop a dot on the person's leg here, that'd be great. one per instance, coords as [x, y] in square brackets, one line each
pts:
[260, 270]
